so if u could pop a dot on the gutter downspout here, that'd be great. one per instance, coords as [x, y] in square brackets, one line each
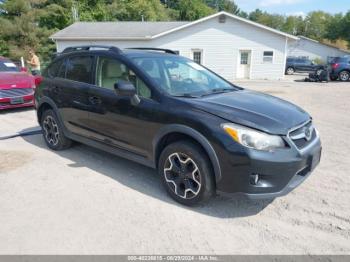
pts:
[285, 58]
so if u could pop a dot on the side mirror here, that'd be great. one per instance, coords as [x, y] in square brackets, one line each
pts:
[127, 89]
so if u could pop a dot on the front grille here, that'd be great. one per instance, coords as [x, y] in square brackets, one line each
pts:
[15, 92]
[301, 138]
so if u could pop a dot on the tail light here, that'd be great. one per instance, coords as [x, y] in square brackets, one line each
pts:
[37, 80]
[335, 66]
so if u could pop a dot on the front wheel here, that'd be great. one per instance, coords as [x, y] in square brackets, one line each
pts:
[186, 173]
[52, 132]
[290, 71]
[344, 76]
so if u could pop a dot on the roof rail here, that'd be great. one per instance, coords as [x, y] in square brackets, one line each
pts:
[89, 47]
[168, 51]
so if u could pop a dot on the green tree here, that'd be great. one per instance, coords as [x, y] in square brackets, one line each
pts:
[294, 25]
[136, 10]
[316, 24]
[223, 5]
[190, 10]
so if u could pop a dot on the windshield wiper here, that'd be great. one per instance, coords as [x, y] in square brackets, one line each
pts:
[186, 95]
[219, 91]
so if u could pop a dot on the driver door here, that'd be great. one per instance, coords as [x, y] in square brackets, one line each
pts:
[113, 120]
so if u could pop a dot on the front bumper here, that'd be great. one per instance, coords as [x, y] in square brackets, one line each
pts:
[5, 103]
[279, 172]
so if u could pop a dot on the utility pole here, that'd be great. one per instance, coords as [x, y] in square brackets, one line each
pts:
[75, 14]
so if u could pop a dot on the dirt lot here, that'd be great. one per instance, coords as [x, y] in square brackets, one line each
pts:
[84, 201]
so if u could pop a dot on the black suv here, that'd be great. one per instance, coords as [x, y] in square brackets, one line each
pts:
[202, 133]
[302, 65]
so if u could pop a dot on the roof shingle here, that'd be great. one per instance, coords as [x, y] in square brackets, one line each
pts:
[115, 30]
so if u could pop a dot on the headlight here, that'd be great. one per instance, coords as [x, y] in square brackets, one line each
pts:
[252, 138]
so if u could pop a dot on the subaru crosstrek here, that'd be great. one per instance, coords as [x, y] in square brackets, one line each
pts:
[202, 133]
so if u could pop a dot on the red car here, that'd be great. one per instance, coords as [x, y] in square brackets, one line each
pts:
[16, 86]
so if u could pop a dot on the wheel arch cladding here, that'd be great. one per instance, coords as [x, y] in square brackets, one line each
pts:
[41, 109]
[175, 132]
[45, 104]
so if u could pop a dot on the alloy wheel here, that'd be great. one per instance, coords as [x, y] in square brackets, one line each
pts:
[344, 76]
[290, 71]
[182, 175]
[51, 131]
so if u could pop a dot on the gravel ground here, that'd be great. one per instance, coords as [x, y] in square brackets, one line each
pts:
[84, 201]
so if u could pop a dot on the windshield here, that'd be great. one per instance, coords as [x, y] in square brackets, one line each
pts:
[8, 66]
[182, 77]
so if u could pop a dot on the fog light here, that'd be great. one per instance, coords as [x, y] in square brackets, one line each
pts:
[254, 179]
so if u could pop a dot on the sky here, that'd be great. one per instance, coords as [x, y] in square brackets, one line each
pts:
[294, 7]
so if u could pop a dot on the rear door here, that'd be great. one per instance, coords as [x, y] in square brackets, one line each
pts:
[70, 92]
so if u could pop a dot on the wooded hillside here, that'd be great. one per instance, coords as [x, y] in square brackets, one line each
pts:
[28, 24]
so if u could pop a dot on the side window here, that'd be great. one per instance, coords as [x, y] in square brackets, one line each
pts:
[62, 70]
[79, 69]
[110, 71]
[54, 68]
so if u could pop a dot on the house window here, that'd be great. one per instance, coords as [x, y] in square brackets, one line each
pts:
[244, 58]
[197, 56]
[268, 57]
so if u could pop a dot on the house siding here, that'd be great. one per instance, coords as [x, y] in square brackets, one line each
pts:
[313, 50]
[220, 43]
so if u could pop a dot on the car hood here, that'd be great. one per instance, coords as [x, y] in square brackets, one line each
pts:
[253, 109]
[15, 80]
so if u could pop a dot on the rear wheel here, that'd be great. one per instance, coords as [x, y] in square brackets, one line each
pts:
[186, 173]
[344, 76]
[290, 71]
[52, 132]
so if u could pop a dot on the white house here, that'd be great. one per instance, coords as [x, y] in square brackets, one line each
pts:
[232, 46]
[313, 49]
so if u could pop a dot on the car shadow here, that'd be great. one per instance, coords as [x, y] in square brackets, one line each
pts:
[145, 180]
[15, 110]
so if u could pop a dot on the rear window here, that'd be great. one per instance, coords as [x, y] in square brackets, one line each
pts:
[341, 60]
[8, 66]
[79, 69]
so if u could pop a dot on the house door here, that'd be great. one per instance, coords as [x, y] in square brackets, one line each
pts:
[244, 61]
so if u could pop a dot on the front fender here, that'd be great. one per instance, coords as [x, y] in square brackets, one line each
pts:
[202, 140]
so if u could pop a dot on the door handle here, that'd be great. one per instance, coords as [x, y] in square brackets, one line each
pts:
[95, 100]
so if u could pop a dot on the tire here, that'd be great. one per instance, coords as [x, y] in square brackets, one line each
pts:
[344, 76]
[53, 133]
[319, 71]
[290, 71]
[186, 173]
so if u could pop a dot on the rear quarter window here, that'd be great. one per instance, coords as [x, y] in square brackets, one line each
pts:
[79, 69]
[54, 68]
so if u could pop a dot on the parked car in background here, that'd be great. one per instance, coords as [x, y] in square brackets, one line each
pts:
[201, 132]
[340, 68]
[16, 85]
[302, 65]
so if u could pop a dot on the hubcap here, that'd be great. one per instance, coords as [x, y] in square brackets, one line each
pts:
[290, 71]
[182, 175]
[344, 76]
[51, 130]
